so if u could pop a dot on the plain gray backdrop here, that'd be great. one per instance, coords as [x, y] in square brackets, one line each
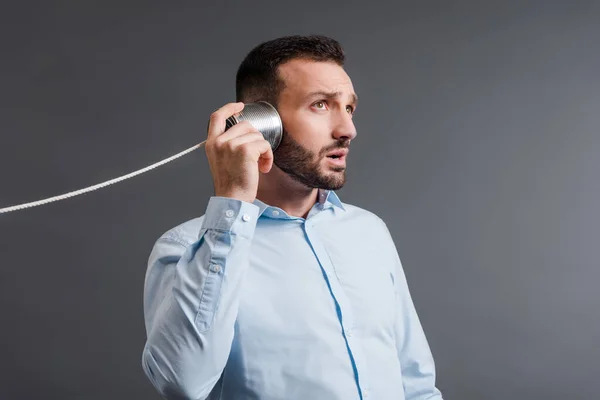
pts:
[478, 144]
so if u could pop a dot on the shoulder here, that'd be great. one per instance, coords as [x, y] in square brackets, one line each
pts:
[373, 233]
[358, 214]
[363, 222]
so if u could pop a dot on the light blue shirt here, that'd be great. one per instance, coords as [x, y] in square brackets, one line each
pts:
[248, 302]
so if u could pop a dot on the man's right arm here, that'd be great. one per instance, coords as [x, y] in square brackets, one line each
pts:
[191, 298]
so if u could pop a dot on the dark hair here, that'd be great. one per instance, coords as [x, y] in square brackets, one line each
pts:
[257, 77]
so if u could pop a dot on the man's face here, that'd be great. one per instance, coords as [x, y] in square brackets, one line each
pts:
[316, 108]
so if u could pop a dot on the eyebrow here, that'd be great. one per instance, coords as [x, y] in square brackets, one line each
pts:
[331, 95]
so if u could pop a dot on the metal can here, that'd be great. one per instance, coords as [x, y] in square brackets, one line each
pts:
[264, 117]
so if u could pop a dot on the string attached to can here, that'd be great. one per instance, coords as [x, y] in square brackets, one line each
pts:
[262, 115]
[100, 185]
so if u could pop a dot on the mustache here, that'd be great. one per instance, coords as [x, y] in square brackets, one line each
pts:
[342, 144]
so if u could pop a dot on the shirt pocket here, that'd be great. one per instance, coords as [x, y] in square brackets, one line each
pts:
[367, 282]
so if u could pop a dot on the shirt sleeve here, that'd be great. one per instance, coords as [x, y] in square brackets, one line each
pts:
[191, 299]
[416, 360]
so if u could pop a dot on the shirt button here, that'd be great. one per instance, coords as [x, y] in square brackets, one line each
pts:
[275, 213]
[246, 217]
[365, 394]
[349, 333]
[215, 268]
[229, 213]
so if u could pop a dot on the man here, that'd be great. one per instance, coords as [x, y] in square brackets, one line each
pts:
[280, 290]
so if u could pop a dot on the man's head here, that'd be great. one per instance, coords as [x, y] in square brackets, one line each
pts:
[304, 78]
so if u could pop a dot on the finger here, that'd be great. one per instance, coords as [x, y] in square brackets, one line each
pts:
[237, 130]
[265, 162]
[243, 139]
[257, 149]
[216, 122]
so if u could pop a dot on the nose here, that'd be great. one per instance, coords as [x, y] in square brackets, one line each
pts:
[344, 128]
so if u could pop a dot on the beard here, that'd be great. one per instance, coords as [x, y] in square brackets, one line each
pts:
[304, 165]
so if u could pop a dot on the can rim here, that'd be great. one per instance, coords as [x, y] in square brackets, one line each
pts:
[280, 122]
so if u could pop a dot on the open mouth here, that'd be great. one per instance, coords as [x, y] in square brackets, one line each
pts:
[339, 160]
[337, 154]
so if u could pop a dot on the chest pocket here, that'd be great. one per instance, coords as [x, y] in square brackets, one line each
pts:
[365, 277]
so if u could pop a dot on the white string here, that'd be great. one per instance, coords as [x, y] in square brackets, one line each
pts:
[100, 185]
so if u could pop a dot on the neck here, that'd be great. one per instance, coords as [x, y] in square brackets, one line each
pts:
[278, 189]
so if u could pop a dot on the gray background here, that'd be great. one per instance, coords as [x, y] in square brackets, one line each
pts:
[478, 141]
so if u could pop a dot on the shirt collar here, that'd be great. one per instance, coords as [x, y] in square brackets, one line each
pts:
[329, 196]
[325, 198]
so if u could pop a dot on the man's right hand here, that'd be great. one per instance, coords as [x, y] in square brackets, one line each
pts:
[235, 157]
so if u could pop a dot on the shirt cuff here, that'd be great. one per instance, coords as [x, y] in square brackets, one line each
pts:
[231, 215]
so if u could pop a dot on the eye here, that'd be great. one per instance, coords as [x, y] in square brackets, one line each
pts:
[350, 110]
[321, 105]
